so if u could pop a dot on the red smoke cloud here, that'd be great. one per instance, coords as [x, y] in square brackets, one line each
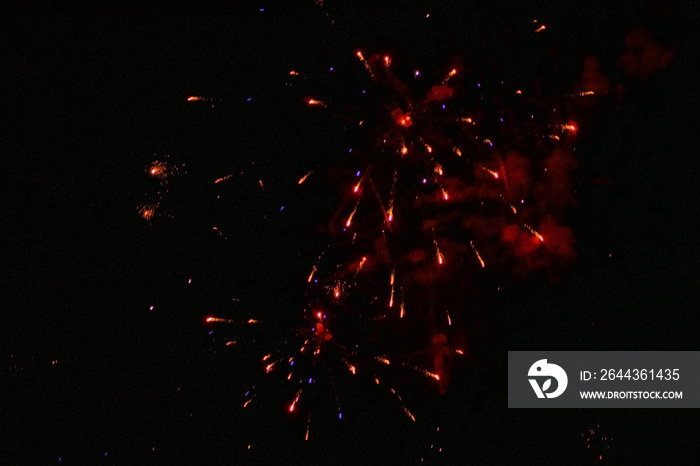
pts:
[439, 93]
[643, 56]
[556, 192]
[517, 176]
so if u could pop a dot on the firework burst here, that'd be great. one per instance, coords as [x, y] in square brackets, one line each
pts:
[439, 186]
[450, 179]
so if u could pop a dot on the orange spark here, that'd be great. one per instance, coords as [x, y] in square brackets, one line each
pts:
[157, 169]
[296, 399]
[148, 211]
[408, 413]
[217, 319]
[491, 172]
[440, 257]
[449, 75]
[478, 256]
[390, 211]
[534, 232]
[223, 178]
[303, 178]
[352, 214]
[311, 275]
[362, 263]
[391, 282]
[357, 186]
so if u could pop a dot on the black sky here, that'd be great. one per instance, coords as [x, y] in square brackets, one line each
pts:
[91, 94]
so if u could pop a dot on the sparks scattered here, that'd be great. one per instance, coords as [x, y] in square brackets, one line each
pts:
[424, 151]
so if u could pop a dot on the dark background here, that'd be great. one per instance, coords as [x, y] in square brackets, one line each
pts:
[91, 94]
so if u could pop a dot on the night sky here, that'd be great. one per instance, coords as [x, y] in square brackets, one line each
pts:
[105, 352]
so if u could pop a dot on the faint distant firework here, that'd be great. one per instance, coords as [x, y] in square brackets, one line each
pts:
[162, 171]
